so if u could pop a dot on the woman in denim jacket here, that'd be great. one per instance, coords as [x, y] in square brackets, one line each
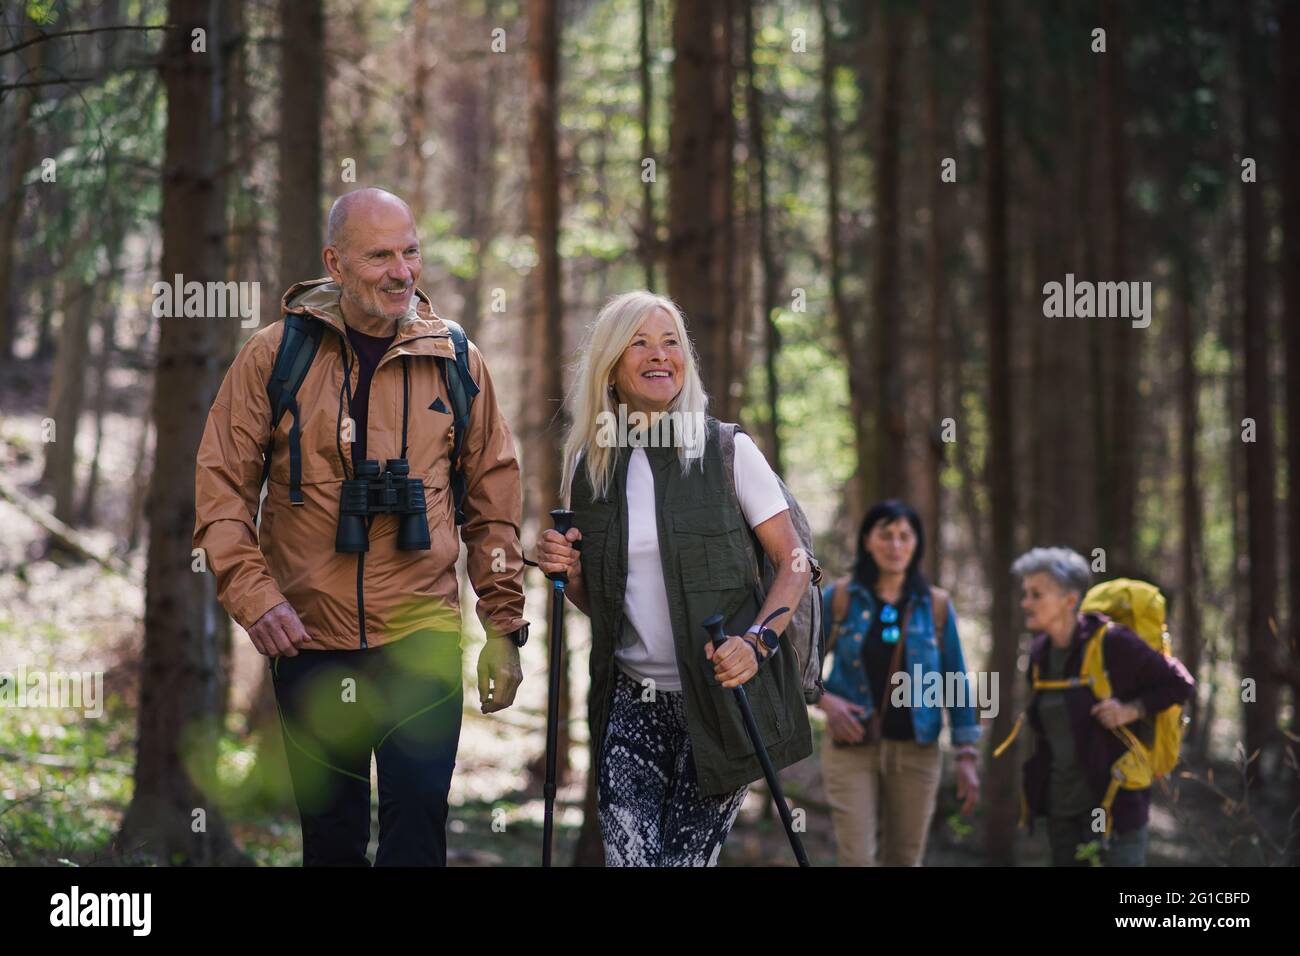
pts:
[881, 766]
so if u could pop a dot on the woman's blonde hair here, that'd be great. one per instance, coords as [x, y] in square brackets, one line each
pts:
[592, 398]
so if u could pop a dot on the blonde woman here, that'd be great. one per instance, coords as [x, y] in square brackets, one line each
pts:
[664, 538]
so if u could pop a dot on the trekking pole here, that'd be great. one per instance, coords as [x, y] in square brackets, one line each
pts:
[713, 626]
[563, 521]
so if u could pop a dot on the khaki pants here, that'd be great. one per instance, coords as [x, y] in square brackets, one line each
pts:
[890, 785]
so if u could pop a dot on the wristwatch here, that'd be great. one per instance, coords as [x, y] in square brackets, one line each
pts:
[771, 640]
[520, 637]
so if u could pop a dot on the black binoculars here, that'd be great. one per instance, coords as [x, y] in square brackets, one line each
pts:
[392, 493]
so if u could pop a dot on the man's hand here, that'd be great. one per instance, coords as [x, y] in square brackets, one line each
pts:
[1112, 713]
[499, 674]
[279, 632]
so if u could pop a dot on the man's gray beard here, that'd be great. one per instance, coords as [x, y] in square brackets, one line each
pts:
[361, 306]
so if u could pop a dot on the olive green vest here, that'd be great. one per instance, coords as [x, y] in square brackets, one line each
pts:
[702, 543]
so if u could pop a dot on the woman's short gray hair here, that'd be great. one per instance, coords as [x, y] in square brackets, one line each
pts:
[1066, 567]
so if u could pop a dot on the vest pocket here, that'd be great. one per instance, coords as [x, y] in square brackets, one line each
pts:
[594, 526]
[711, 548]
[766, 705]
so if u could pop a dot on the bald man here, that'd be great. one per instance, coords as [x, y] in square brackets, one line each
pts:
[364, 645]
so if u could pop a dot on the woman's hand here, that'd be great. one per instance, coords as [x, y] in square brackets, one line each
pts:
[555, 553]
[734, 662]
[842, 717]
[968, 784]
[1112, 713]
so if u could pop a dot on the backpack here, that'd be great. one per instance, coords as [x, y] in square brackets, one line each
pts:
[1140, 607]
[293, 358]
[804, 629]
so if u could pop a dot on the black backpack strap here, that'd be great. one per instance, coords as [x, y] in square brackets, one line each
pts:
[462, 389]
[297, 351]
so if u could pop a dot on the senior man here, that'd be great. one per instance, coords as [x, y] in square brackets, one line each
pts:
[356, 609]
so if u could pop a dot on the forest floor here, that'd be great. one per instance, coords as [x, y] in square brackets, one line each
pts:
[66, 780]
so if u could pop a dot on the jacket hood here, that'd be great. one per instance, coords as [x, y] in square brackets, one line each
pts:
[320, 298]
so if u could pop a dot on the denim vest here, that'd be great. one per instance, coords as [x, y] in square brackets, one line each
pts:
[848, 678]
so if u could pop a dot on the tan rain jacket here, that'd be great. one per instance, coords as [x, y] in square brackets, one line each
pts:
[351, 601]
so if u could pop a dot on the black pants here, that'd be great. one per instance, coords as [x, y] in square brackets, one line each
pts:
[401, 701]
[1066, 834]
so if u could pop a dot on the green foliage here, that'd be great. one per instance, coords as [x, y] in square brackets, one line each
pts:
[42, 12]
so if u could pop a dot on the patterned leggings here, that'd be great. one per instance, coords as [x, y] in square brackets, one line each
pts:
[651, 811]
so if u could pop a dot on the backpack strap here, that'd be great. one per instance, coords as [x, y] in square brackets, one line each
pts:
[727, 449]
[462, 389]
[839, 610]
[939, 608]
[298, 347]
[939, 614]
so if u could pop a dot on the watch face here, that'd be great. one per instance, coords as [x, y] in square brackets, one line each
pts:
[520, 637]
[771, 638]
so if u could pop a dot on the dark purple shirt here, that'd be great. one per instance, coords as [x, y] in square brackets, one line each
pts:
[1137, 672]
[369, 349]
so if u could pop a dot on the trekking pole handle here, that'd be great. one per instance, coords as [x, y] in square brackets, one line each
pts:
[713, 627]
[562, 519]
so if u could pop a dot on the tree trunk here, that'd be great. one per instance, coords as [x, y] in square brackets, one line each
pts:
[1122, 362]
[700, 178]
[474, 147]
[1289, 165]
[891, 413]
[107, 309]
[67, 395]
[545, 311]
[302, 106]
[1290, 169]
[1261, 474]
[14, 195]
[931, 502]
[175, 772]
[1189, 617]
[649, 238]
[1004, 775]
[850, 333]
[726, 236]
[771, 265]
[422, 72]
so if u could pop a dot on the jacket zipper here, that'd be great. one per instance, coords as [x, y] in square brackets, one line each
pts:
[361, 593]
[361, 557]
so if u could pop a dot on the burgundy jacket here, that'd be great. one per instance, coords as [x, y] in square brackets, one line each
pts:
[1137, 672]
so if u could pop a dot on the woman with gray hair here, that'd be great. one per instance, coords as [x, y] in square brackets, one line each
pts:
[666, 543]
[1075, 748]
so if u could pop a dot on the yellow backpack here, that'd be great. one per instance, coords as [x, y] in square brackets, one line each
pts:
[1140, 607]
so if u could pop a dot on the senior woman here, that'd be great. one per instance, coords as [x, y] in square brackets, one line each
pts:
[881, 764]
[1068, 773]
[664, 539]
